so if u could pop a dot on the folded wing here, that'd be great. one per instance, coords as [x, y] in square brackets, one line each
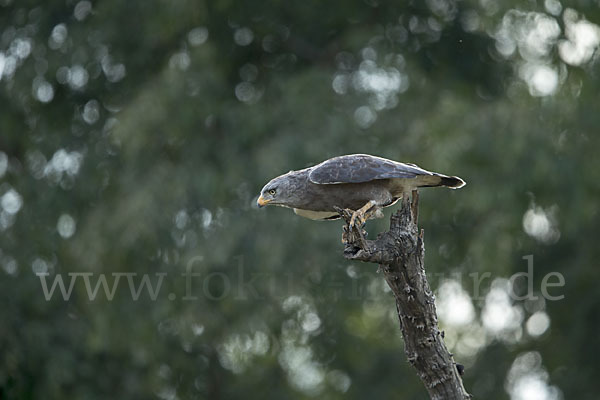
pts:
[357, 168]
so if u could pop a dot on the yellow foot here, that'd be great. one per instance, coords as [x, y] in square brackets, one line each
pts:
[357, 216]
[361, 214]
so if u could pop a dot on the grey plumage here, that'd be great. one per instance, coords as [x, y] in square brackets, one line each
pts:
[358, 168]
[349, 181]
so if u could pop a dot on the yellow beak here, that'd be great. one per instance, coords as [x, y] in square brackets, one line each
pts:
[261, 201]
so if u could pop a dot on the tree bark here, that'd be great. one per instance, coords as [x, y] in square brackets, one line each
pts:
[400, 253]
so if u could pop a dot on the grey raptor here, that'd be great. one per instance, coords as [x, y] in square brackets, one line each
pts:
[359, 182]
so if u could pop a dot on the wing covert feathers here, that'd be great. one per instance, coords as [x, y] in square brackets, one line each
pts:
[358, 168]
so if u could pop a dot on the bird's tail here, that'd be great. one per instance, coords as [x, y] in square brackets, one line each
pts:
[453, 182]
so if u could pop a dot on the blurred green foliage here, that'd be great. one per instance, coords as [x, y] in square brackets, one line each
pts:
[135, 136]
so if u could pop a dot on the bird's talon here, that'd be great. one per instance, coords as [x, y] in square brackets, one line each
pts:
[356, 216]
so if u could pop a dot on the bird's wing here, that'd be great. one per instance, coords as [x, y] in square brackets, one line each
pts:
[357, 168]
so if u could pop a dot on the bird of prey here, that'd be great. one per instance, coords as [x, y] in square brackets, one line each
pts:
[359, 182]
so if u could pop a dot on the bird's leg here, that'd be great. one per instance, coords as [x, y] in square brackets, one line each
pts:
[348, 234]
[375, 212]
[361, 213]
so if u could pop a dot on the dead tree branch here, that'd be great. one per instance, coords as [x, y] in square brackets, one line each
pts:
[400, 253]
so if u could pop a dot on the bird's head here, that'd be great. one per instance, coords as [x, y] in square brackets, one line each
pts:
[279, 191]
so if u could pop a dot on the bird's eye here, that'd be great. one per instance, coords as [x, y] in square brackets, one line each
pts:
[272, 192]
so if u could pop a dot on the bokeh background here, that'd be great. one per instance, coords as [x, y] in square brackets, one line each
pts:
[136, 135]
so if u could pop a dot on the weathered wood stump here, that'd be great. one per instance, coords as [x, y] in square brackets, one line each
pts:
[400, 254]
